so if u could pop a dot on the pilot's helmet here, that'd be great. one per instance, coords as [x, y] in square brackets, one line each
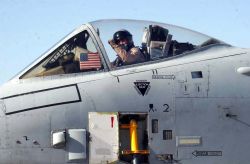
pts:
[123, 35]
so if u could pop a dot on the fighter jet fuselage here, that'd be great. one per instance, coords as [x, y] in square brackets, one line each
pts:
[186, 103]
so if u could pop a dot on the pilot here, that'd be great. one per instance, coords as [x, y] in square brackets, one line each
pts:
[123, 45]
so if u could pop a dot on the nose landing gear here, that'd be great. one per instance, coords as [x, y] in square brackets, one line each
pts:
[134, 149]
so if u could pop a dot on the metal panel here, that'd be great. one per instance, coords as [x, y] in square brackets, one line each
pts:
[76, 145]
[193, 82]
[28, 131]
[188, 141]
[25, 156]
[3, 134]
[2, 108]
[42, 98]
[104, 146]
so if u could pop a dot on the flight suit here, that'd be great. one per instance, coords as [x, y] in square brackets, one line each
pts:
[134, 55]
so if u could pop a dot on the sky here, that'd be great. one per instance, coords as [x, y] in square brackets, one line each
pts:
[30, 27]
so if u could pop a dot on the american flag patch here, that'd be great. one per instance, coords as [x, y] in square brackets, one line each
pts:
[90, 61]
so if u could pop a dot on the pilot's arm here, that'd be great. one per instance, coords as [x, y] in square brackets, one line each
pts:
[128, 57]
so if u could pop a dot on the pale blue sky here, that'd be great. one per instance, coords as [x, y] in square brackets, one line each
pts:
[29, 27]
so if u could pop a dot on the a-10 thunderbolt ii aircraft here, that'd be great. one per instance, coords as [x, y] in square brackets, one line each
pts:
[188, 103]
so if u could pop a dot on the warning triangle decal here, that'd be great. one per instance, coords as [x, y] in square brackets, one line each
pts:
[142, 87]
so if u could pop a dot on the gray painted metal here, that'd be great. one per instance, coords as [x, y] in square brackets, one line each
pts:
[210, 114]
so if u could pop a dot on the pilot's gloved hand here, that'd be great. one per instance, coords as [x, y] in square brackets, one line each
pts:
[112, 43]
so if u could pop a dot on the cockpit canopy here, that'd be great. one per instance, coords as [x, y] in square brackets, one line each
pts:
[156, 40]
[86, 49]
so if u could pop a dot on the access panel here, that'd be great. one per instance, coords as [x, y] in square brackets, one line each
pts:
[104, 144]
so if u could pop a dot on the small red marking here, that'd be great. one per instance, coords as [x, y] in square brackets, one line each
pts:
[112, 121]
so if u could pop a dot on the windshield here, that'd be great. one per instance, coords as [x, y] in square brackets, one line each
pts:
[156, 40]
[77, 54]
